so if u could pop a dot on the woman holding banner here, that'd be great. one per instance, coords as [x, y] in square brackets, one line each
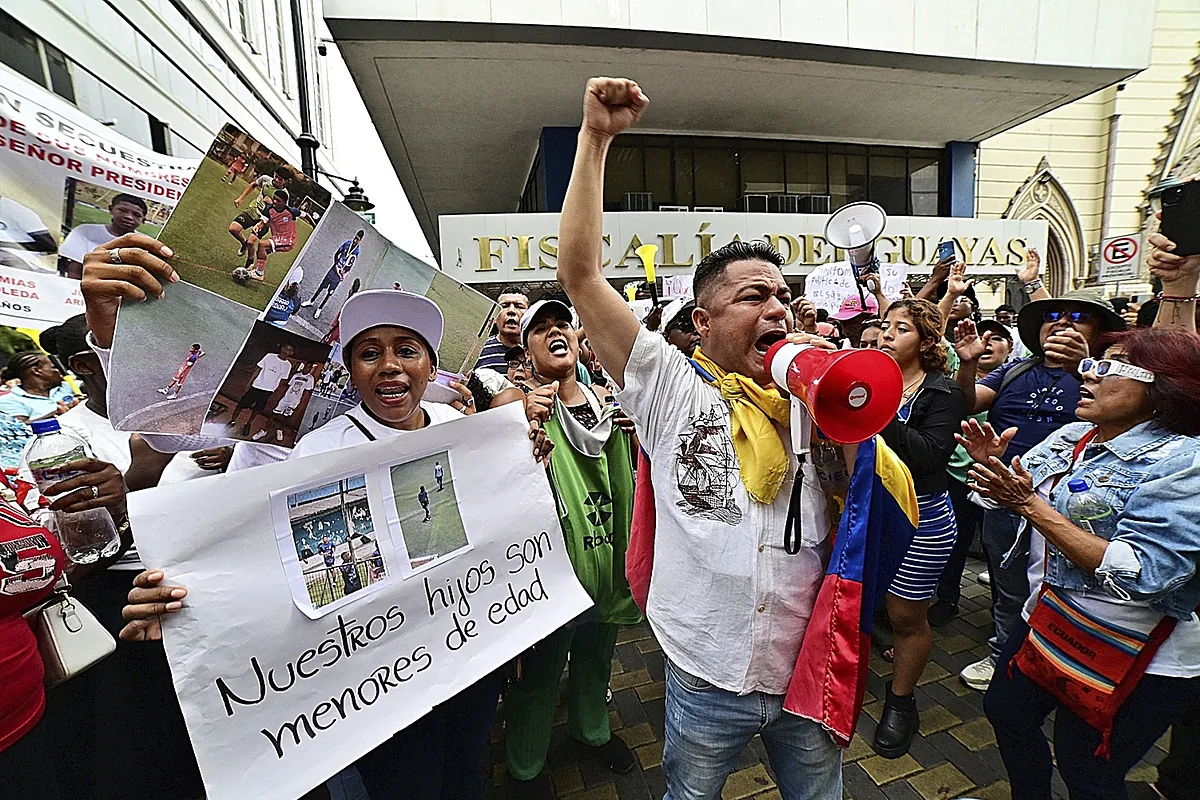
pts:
[389, 344]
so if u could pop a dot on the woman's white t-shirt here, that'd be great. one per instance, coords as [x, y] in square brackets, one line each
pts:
[341, 431]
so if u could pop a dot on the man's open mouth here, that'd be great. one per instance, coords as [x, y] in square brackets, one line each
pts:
[558, 347]
[763, 343]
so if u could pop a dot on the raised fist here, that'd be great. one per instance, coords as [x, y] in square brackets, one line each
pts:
[612, 105]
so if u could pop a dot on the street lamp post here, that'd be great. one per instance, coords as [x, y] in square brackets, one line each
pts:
[306, 140]
[355, 199]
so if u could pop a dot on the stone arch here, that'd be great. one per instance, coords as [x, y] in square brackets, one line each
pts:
[1043, 197]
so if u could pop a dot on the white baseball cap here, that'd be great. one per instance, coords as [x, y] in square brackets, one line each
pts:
[674, 309]
[535, 309]
[390, 307]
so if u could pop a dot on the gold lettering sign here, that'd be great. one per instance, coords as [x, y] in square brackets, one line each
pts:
[805, 249]
[486, 253]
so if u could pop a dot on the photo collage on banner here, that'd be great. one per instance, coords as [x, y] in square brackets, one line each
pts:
[246, 345]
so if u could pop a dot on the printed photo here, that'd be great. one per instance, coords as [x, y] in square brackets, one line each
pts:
[94, 215]
[468, 313]
[245, 217]
[332, 539]
[341, 253]
[166, 370]
[265, 397]
[423, 510]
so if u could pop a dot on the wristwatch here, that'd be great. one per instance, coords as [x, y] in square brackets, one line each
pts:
[1033, 285]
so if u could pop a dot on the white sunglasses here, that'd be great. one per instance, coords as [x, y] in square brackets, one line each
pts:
[1107, 366]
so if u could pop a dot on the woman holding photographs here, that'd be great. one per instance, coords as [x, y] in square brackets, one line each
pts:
[390, 340]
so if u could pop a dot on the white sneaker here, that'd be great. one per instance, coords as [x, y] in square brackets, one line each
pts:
[984, 578]
[978, 675]
[307, 304]
[162, 391]
[258, 436]
[317, 314]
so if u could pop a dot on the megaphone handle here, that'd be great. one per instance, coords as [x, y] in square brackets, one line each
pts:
[792, 533]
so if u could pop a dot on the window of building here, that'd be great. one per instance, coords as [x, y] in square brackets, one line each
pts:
[734, 174]
[20, 49]
[247, 23]
[281, 48]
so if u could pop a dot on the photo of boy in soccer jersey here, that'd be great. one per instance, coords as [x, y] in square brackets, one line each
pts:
[280, 219]
[249, 219]
[171, 390]
[343, 262]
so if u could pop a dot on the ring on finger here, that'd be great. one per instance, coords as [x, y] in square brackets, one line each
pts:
[95, 492]
[114, 256]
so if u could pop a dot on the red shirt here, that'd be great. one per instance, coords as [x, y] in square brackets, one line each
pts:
[30, 562]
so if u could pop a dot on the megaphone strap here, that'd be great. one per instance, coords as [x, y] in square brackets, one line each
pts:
[792, 527]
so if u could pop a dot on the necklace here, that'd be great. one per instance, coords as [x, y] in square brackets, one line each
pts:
[911, 388]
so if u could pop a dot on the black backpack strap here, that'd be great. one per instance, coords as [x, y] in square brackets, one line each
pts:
[370, 436]
[1016, 371]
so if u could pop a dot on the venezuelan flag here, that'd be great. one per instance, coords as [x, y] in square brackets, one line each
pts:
[876, 528]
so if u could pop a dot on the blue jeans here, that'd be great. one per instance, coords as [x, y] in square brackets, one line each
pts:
[708, 728]
[1010, 585]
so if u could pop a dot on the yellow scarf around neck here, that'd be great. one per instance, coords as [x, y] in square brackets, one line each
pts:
[762, 457]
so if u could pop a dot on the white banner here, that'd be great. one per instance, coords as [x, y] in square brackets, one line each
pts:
[519, 248]
[409, 594]
[66, 183]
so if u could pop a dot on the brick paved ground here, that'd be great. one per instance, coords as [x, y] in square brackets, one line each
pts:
[954, 756]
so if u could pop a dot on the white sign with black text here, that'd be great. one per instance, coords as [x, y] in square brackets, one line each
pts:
[426, 561]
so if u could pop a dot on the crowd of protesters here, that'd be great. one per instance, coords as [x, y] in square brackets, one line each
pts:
[1004, 425]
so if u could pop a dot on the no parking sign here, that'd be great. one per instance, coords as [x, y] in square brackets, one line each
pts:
[1119, 259]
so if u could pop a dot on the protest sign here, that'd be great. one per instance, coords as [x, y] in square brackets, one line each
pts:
[68, 184]
[676, 286]
[829, 284]
[277, 698]
[246, 346]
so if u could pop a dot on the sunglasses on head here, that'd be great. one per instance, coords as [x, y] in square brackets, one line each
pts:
[1103, 367]
[1055, 314]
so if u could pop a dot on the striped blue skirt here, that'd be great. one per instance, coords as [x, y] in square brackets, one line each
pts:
[917, 578]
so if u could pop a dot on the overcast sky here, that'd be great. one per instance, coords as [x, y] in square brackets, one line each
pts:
[359, 153]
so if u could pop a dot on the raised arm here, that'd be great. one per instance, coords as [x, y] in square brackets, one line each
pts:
[1180, 277]
[610, 106]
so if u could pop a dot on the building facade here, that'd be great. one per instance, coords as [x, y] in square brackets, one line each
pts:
[1088, 168]
[169, 73]
[762, 107]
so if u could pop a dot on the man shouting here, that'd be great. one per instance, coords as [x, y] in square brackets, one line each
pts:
[727, 603]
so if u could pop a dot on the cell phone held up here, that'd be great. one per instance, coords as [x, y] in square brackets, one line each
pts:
[1181, 217]
[945, 251]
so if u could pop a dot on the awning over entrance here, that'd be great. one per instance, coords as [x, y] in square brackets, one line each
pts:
[459, 105]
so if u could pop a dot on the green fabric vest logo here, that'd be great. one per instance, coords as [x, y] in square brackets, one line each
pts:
[599, 508]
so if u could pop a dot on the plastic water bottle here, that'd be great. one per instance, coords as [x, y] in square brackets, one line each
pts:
[86, 536]
[1084, 506]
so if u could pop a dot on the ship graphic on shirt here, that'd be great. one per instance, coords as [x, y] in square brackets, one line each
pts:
[706, 469]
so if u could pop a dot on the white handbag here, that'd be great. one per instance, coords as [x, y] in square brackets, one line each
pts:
[69, 636]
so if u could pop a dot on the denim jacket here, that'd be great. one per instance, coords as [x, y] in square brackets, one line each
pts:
[1151, 479]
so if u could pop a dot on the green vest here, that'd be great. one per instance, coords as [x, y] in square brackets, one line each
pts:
[594, 496]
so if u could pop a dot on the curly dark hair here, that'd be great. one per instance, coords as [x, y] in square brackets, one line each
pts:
[929, 324]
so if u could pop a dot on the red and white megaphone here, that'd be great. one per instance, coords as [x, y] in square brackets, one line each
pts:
[850, 394]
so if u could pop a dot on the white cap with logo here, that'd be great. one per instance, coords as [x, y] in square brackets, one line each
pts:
[391, 307]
